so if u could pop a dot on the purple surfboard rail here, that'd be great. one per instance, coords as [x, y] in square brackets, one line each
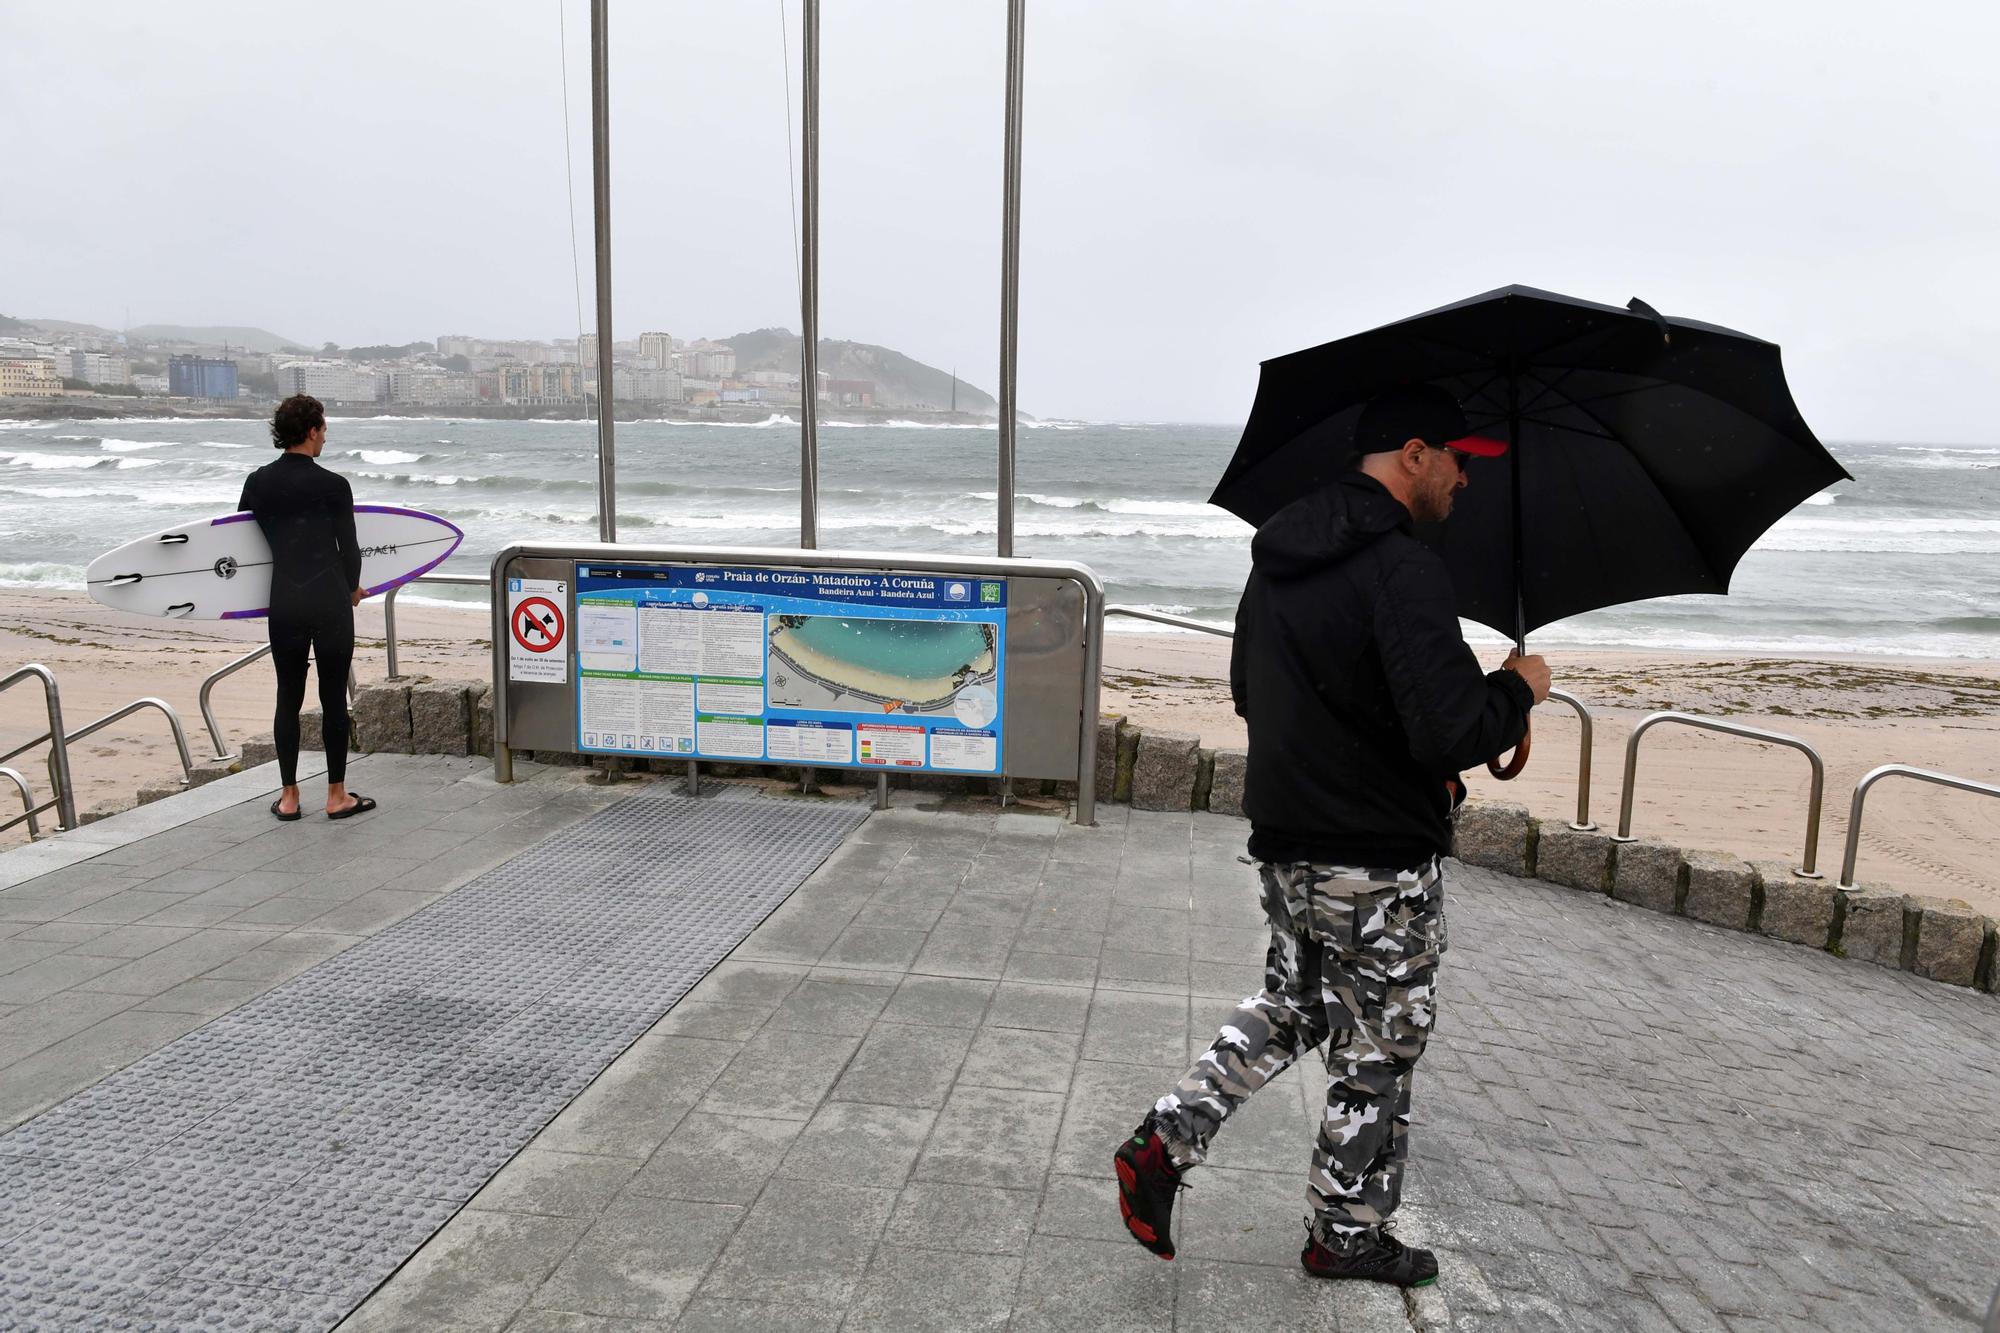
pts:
[457, 536]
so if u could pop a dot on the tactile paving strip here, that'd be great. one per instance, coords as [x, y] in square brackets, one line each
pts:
[268, 1170]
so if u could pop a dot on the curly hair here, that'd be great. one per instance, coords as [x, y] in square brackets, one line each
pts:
[296, 418]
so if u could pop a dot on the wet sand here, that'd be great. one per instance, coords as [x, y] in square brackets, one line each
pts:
[1697, 789]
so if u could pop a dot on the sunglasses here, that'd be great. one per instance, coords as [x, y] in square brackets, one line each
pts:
[1457, 456]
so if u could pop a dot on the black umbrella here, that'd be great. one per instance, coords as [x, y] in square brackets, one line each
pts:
[1646, 454]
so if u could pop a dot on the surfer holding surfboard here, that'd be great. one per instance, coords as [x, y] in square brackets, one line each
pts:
[306, 513]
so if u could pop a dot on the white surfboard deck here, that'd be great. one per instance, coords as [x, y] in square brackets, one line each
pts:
[220, 568]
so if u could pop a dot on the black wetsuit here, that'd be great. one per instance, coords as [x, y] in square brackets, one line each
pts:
[307, 515]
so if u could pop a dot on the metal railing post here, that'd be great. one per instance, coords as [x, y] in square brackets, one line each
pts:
[1806, 869]
[1010, 272]
[389, 630]
[28, 800]
[809, 282]
[1869, 779]
[65, 794]
[600, 175]
[208, 684]
[1582, 823]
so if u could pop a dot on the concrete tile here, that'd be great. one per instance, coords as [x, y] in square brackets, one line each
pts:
[47, 976]
[630, 1108]
[859, 1143]
[939, 1001]
[369, 912]
[710, 1314]
[165, 968]
[934, 1215]
[1083, 1207]
[1211, 1294]
[1255, 1217]
[556, 1184]
[46, 1022]
[869, 946]
[1020, 1058]
[780, 1074]
[1125, 969]
[1105, 1101]
[1052, 969]
[716, 1022]
[964, 951]
[1018, 1004]
[642, 1259]
[988, 1136]
[903, 1065]
[64, 934]
[132, 941]
[568, 1321]
[1083, 1286]
[123, 907]
[716, 1158]
[748, 985]
[934, 1291]
[472, 1276]
[766, 1262]
[844, 1008]
[205, 997]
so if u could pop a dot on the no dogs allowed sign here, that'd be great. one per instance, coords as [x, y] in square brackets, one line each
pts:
[537, 631]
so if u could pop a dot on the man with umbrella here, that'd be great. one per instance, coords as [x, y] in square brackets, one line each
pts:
[1363, 704]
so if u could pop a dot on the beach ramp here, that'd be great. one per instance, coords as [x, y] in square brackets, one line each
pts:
[272, 1166]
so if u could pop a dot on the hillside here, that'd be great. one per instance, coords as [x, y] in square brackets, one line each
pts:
[249, 339]
[900, 381]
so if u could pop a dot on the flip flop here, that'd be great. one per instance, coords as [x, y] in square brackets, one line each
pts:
[296, 814]
[362, 805]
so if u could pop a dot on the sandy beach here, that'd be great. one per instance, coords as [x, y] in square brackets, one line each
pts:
[1697, 789]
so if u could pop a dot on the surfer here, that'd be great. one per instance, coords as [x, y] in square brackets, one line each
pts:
[307, 515]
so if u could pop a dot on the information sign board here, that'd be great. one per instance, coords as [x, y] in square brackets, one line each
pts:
[829, 668]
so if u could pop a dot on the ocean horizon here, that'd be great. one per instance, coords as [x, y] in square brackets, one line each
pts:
[1902, 561]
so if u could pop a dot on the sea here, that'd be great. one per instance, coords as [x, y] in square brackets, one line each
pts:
[1904, 560]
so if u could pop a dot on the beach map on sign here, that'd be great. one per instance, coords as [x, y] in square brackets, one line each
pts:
[831, 668]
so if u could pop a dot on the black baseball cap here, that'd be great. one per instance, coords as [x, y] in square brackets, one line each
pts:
[1419, 412]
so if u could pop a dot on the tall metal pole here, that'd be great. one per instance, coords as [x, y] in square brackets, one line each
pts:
[600, 170]
[1010, 272]
[809, 291]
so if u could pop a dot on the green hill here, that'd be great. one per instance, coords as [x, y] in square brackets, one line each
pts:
[248, 339]
[900, 381]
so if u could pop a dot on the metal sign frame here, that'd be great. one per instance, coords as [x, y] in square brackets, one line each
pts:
[790, 558]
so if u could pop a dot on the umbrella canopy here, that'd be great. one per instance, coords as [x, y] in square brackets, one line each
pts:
[1646, 454]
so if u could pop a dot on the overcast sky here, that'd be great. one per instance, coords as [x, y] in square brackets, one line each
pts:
[1206, 185]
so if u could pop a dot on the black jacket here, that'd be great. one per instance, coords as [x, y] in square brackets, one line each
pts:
[307, 515]
[1361, 696]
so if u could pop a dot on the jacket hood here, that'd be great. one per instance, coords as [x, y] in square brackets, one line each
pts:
[1326, 527]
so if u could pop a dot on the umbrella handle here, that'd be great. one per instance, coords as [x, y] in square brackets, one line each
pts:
[1512, 768]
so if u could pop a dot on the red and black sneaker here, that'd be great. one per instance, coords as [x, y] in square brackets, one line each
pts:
[1148, 1180]
[1378, 1257]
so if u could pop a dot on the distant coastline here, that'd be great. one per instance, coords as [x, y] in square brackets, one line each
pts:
[107, 407]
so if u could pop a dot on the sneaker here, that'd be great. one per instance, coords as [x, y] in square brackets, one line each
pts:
[1379, 1257]
[1148, 1180]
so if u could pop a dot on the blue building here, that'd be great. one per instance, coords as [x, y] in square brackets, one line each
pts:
[201, 377]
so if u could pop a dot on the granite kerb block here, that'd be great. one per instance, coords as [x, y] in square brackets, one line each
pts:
[1989, 959]
[1495, 837]
[480, 699]
[1649, 874]
[381, 715]
[1721, 890]
[1108, 755]
[1871, 926]
[1950, 940]
[258, 751]
[1204, 777]
[1574, 858]
[441, 717]
[1164, 769]
[1225, 789]
[1798, 911]
[1128, 757]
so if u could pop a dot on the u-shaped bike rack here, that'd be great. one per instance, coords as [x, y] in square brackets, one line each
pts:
[1651, 720]
[1868, 780]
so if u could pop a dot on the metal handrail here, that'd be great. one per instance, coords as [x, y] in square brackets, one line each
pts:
[208, 683]
[782, 557]
[1624, 834]
[28, 800]
[65, 794]
[1868, 780]
[173, 721]
[1581, 823]
[389, 609]
[1161, 618]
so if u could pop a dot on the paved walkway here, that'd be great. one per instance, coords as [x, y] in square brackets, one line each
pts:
[891, 1107]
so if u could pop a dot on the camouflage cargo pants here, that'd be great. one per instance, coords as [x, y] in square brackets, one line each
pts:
[1352, 963]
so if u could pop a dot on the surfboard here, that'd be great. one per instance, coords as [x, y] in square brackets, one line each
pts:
[220, 568]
